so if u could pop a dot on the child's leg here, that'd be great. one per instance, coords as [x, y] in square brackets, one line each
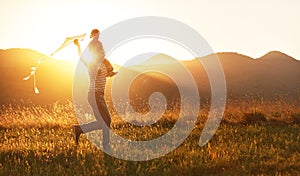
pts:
[109, 68]
[108, 65]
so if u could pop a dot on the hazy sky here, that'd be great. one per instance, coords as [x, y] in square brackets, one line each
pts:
[249, 27]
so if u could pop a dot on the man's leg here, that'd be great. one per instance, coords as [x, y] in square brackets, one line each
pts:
[105, 118]
[95, 125]
[91, 126]
[102, 116]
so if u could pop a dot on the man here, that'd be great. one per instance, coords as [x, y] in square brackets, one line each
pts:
[98, 68]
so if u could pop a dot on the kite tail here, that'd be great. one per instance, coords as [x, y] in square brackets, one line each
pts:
[32, 74]
[36, 90]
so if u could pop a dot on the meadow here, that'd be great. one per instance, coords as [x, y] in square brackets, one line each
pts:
[254, 138]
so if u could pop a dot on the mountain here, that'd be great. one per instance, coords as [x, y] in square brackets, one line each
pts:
[274, 75]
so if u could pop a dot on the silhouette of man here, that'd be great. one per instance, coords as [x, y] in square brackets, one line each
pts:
[98, 68]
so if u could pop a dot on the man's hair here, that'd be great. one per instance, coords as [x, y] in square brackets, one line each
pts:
[94, 32]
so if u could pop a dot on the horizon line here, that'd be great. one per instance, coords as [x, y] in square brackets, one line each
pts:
[219, 52]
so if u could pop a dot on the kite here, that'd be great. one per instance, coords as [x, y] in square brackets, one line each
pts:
[67, 41]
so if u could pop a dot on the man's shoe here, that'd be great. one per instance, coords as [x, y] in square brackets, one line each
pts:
[76, 133]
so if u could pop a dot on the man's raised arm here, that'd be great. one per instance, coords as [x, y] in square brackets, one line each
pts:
[79, 52]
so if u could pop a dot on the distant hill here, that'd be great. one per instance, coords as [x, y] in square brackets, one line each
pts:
[274, 75]
[54, 77]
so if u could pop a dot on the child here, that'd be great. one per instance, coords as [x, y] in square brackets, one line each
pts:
[109, 68]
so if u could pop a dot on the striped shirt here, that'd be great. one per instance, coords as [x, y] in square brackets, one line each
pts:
[97, 78]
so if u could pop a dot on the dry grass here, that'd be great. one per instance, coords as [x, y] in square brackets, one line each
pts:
[37, 140]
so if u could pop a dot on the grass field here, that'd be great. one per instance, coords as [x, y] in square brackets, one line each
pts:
[254, 138]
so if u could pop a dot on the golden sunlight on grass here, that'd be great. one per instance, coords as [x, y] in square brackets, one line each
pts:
[37, 140]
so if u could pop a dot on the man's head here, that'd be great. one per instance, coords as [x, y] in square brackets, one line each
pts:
[94, 33]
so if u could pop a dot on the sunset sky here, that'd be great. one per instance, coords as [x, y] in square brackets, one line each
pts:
[252, 27]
